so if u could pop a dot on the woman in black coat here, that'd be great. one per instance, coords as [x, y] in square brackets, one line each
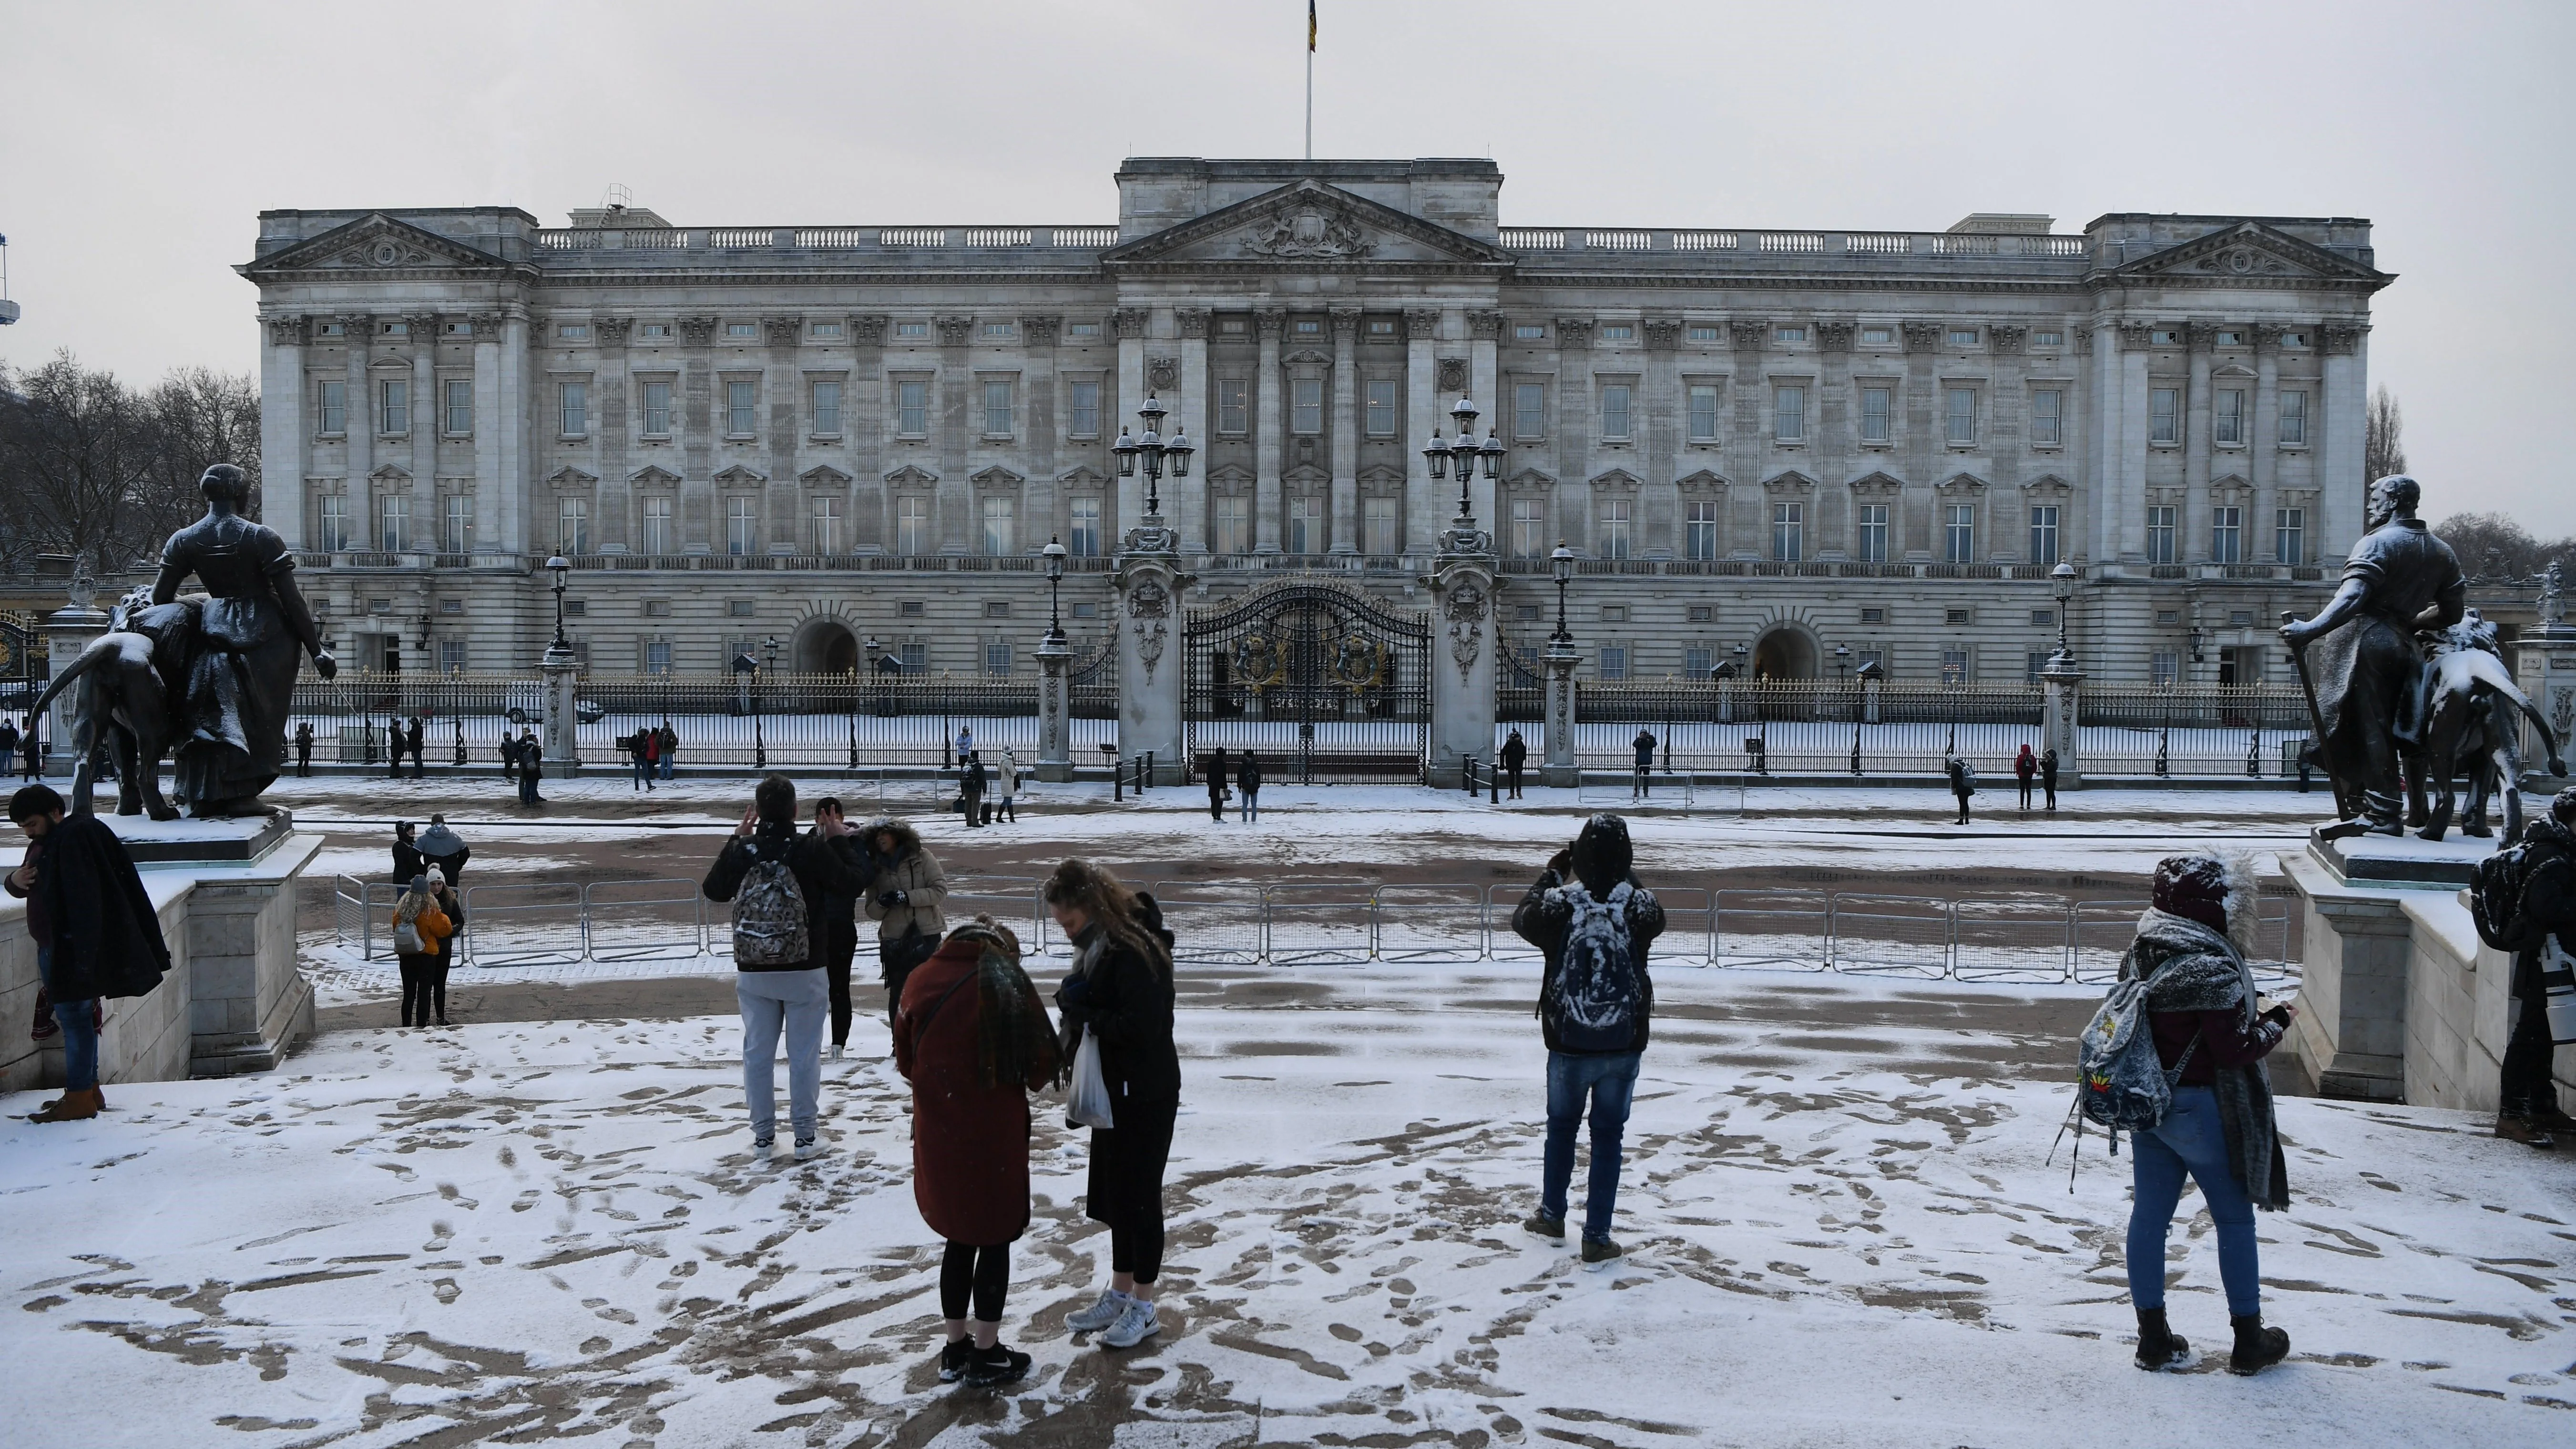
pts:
[1120, 991]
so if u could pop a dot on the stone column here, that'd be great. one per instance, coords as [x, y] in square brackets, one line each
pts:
[2263, 445]
[1130, 323]
[2128, 445]
[493, 478]
[868, 425]
[782, 385]
[2058, 717]
[67, 632]
[960, 420]
[359, 424]
[1560, 772]
[2340, 420]
[1658, 501]
[1271, 437]
[2546, 670]
[428, 422]
[2196, 539]
[1149, 582]
[562, 749]
[1055, 709]
[1346, 433]
[1187, 497]
[1423, 411]
[612, 423]
[699, 529]
[1484, 382]
[285, 437]
[1462, 653]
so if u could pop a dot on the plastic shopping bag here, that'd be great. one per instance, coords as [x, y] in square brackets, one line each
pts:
[1087, 1103]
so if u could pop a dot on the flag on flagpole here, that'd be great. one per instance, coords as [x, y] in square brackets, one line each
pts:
[1310, 27]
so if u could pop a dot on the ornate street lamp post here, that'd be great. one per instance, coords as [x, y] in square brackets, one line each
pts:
[1054, 554]
[560, 566]
[2061, 584]
[759, 739]
[1154, 450]
[1561, 563]
[1443, 454]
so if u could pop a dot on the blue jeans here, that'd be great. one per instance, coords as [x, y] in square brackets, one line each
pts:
[1611, 1082]
[80, 1029]
[644, 773]
[2191, 1140]
[798, 1001]
[1251, 806]
[666, 767]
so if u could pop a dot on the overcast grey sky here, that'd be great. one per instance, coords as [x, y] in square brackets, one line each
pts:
[139, 141]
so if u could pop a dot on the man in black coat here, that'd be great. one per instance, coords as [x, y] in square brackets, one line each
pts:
[1515, 755]
[97, 935]
[304, 748]
[2527, 1108]
[1595, 1027]
[836, 913]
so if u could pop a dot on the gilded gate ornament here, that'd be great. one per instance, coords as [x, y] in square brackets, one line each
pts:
[1149, 604]
[1466, 610]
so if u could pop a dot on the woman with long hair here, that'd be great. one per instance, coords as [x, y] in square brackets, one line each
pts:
[419, 927]
[1120, 993]
[972, 1036]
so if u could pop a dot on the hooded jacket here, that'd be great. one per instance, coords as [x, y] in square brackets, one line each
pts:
[913, 870]
[442, 847]
[970, 1136]
[106, 935]
[1600, 859]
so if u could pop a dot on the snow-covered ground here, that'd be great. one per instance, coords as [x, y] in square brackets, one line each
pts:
[1842, 1231]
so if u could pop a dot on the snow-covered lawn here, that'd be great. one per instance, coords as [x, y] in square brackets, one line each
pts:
[1837, 1234]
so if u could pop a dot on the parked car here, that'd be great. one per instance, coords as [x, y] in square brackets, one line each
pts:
[526, 705]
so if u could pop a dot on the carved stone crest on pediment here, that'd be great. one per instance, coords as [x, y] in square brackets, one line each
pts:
[1310, 229]
[1162, 372]
[571, 479]
[1465, 609]
[1453, 374]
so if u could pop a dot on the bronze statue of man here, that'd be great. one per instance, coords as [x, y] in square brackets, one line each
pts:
[2360, 657]
[240, 683]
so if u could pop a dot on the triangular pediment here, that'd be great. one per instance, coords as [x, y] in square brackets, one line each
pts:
[571, 477]
[1615, 478]
[1791, 481]
[1532, 478]
[650, 476]
[391, 473]
[739, 476]
[823, 475]
[1305, 226]
[1877, 481]
[1703, 481]
[2048, 483]
[1081, 478]
[2249, 251]
[912, 475]
[375, 243]
[996, 476]
[1962, 482]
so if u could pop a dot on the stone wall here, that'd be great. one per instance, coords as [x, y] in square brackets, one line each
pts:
[232, 1002]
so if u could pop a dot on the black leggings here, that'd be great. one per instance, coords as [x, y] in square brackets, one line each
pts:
[1136, 1248]
[424, 989]
[982, 1273]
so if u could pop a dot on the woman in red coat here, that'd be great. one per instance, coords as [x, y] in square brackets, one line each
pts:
[972, 1036]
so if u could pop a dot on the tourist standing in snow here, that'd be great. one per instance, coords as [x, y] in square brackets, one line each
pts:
[2025, 768]
[639, 755]
[1248, 780]
[973, 1038]
[971, 785]
[836, 914]
[903, 899]
[97, 934]
[2048, 775]
[2527, 1107]
[1963, 782]
[1120, 992]
[419, 925]
[408, 863]
[1216, 785]
[773, 878]
[440, 847]
[303, 746]
[1007, 778]
[451, 904]
[2200, 1002]
[1515, 755]
[1593, 921]
[1644, 783]
[667, 744]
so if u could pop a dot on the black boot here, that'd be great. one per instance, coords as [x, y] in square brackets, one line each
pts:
[2257, 1347]
[2157, 1344]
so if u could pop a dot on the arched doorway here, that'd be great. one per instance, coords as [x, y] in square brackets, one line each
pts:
[826, 647]
[1784, 654]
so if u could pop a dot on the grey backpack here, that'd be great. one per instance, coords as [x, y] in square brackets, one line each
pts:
[769, 915]
[2120, 1082]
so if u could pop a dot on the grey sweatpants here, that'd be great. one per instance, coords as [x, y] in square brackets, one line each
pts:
[800, 1001]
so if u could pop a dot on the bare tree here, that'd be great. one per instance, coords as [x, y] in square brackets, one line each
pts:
[74, 447]
[2494, 546]
[2383, 447]
[198, 418]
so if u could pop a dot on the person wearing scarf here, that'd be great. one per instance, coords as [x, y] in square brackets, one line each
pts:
[423, 970]
[2201, 1006]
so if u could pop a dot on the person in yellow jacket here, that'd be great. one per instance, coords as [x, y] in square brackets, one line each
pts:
[419, 928]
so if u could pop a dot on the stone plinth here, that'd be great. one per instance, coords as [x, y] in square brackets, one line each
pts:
[1149, 583]
[1560, 771]
[1463, 653]
[167, 842]
[2402, 860]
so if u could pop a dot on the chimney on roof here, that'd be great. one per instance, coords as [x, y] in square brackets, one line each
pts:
[2002, 223]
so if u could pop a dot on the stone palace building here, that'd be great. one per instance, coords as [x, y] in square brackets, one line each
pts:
[1800, 450]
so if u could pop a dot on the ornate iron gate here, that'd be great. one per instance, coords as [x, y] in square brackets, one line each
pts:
[1328, 685]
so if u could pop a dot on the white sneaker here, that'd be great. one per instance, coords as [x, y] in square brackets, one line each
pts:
[807, 1149]
[1099, 1315]
[1136, 1323]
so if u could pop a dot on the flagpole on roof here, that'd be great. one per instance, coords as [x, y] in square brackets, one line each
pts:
[1310, 80]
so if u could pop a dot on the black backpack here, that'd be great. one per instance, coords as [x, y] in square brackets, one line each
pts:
[2496, 886]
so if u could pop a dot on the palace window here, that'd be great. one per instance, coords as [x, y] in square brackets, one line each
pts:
[657, 410]
[1703, 334]
[1876, 406]
[2290, 535]
[742, 408]
[657, 525]
[1000, 533]
[1614, 661]
[2160, 534]
[1878, 336]
[1872, 542]
[572, 526]
[1529, 527]
[1959, 534]
[1963, 336]
[1306, 405]
[912, 525]
[912, 329]
[1789, 415]
[654, 331]
[573, 331]
[657, 656]
[1084, 514]
[1529, 411]
[826, 537]
[572, 402]
[394, 514]
[1697, 660]
[997, 659]
[997, 408]
[2164, 417]
[2043, 533]
[1530, 332]
[2227, 535]
[822, 330]
[1963, 416]
[1618, 332]
[827, 409]
[1954, 666]
[2162, 668]
[1233, 525]
[1083, 413]
[331, 526]
[2048, 337]
[1377, 523]
[1232, 416]
[334, 408]
[2294, 419]
[742, 329]
[393, 407]
[1788, 532]
[1614, 410]
[1699, 531]
[1788, 334]
[1082, 329]
[2227, 419]
[2048, 417]
[456, 528]
[1305, 525]
[997, 329]
[1615, 523]
[1703, 413]
[742, 526]
[1381, 408]
[912, 409]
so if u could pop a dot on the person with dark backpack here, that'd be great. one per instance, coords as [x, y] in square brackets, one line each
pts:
[1594, 1002]
[2197, 1100]
[776, 880]
[1515, 756]
[2523, 899]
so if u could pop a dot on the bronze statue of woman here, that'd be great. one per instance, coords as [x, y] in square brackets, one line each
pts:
[241, 681]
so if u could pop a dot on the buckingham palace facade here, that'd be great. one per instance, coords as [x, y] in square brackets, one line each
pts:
[1762, 445]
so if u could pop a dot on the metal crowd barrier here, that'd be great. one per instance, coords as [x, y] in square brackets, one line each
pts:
[1855, 933]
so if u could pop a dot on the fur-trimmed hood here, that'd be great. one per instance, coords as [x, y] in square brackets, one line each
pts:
[907, 841]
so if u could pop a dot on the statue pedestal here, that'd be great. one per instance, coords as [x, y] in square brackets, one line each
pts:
[1462, 656]
[68, 631]
[1055, 709]
[2545, 667]
[1560, 771]
[2057, 719]
[1149, 581]
[559, 737]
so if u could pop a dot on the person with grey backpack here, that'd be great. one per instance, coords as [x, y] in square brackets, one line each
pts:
[776, 880]
[2174, 1057]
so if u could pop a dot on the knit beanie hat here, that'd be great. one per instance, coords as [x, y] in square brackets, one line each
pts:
[2219, 894]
